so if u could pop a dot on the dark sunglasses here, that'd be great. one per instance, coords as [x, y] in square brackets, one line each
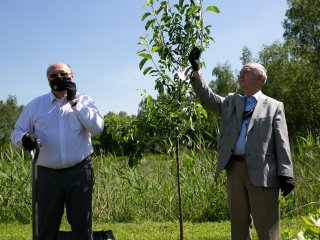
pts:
[56, 75]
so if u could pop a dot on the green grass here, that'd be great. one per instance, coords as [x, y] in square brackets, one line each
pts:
[146, 193]
[155, 231]
[141, 202]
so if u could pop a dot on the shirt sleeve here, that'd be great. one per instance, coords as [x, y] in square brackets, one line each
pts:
[88, 115]
[22, 126]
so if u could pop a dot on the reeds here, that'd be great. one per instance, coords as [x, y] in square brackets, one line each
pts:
[148, 192]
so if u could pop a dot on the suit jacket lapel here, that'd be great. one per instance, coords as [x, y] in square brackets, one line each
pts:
[258, 109]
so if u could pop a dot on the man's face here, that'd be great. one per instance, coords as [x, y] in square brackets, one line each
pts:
[249, 80]
[56, 74]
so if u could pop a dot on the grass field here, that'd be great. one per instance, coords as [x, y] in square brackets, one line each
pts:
[155, 231]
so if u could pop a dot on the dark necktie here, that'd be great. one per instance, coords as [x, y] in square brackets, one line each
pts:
[248, 108]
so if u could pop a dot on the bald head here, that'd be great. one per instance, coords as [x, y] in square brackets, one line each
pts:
[59, 68]
[252, 77]
[259, 69]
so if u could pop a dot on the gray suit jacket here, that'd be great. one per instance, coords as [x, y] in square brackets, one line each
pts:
[267, 144]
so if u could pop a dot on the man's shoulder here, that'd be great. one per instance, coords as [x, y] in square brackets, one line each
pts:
[234, 96]
[39, 99]
[231, 99]
[270, 99]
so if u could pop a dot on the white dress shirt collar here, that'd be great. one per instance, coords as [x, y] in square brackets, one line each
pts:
[256, 95]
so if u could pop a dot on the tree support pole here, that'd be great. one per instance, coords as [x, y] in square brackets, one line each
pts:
[179, 188]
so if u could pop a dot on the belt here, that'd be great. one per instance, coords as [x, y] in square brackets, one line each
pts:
[239, 158]
[87, 159]
[82, 162]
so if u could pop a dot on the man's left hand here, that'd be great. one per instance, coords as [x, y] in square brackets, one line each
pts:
[71, 89]
[286, 185]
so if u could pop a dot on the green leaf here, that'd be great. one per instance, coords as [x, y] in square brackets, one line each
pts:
[163, 3]
[307, 221]
[204, 112]
[165, 19]
[145, 16]
[143, 61]
[159, 10]
[315, 230]
[141, 51]
[143, 44]
[145, 55]
[149, 23]
[147, 70]
[213, 9]
[192, 10]
[154, 49]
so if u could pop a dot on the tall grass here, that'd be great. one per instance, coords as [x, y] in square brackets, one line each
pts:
[15, 186]
[148, 192]
[306, 160]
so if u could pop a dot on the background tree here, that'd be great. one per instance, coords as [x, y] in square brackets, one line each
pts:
[302, 35]
[224, 81]
[117, 136]
[293, 82]
[302, 29]
[9, 112]
[246, 56]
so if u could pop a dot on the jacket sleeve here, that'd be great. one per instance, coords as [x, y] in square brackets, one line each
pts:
[207, 97]
[282, 144]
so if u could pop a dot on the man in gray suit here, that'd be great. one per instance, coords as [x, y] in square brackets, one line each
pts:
[253, 149]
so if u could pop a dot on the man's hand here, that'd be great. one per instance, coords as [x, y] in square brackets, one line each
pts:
[194, 58]
[71, 89]
[30, 142]
[286, 185]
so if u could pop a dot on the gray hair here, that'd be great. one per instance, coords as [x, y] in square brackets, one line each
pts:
[52, 65]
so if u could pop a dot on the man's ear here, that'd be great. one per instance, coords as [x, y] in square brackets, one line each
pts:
[261, 78]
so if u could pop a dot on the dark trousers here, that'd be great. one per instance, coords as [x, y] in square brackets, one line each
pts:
[70, 188]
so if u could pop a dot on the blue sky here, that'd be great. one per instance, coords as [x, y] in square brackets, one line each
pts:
[98, 38]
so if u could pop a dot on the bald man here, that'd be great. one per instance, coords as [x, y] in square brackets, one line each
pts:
[253, 149]
[64, 121]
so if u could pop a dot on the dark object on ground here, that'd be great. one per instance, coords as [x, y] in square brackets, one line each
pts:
[97, 235]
